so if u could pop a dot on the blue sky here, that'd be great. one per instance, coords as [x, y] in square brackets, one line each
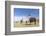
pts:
[26, 12]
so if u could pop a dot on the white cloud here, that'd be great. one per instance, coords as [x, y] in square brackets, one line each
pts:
[24, 18]
[18, 18]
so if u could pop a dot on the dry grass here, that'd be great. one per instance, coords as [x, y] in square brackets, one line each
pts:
[28, 24]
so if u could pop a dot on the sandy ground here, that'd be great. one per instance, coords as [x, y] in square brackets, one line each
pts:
[18, 24]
